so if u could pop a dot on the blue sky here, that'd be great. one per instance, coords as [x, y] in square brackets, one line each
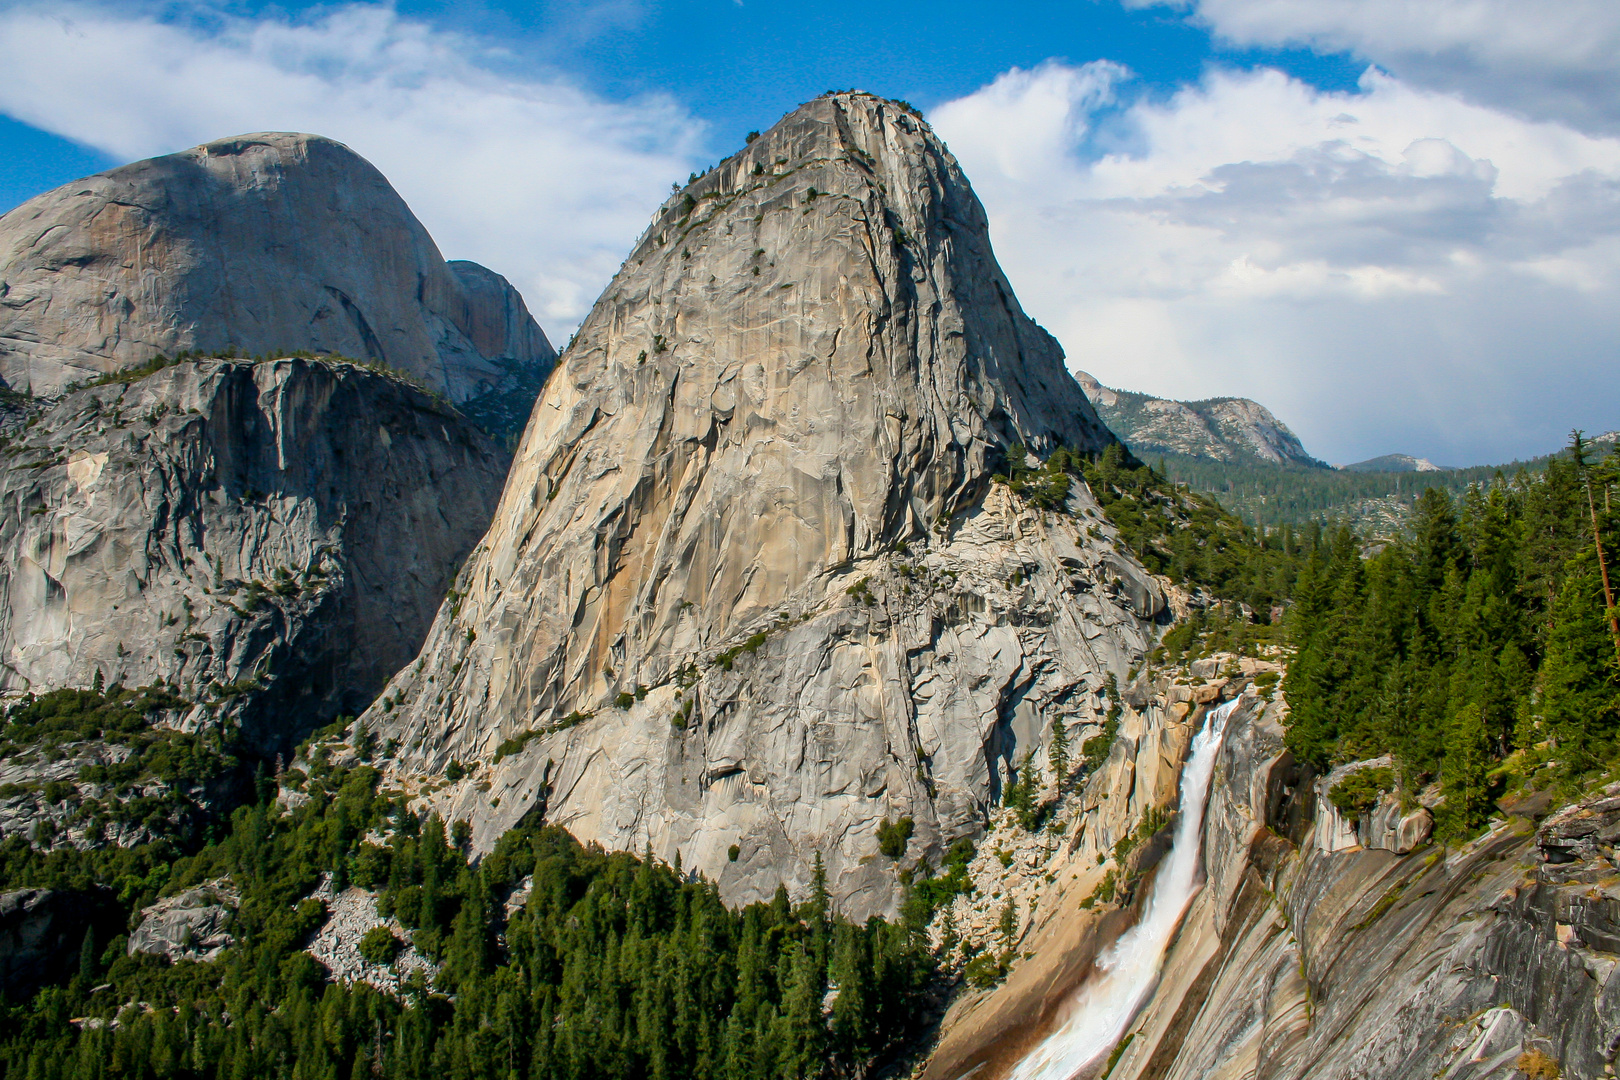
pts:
[740, 66]
[1397, 225]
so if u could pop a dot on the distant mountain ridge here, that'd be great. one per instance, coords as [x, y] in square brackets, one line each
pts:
[1229, 429]
[1388, 463]
[1239, 452]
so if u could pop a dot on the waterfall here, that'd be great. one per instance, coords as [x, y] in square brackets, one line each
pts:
[1128, 971]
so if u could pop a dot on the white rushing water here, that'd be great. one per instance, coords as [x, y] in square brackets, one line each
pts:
[1129, 969]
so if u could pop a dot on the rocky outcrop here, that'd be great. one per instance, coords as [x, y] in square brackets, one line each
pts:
[350, 914]
[1220, 429]
[1389, 824]
[750, 582]
[95, 793]
[270, 538]
[188, 926]
[262, 244]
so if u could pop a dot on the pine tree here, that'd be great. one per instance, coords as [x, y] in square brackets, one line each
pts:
[949, 936]
[820, 899]
[1057, 754]
[1463, 776]
[1007, 925]
[852, 1034]
[1580, 695]
[1020, 794]
[87, 956]
[1434, 531]
[799, 1028]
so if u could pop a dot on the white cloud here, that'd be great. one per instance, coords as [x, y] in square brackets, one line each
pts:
[1394, 269]
[1552, 59]
[534, 177]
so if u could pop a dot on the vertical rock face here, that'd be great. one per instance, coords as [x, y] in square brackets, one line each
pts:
[261, 244]
[272, 538]
[750, 583]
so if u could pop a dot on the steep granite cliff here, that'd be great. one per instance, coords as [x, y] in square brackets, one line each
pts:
[262, 244]
[750, 590]
[271, 538]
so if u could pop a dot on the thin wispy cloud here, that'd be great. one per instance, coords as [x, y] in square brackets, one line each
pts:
[535, 177]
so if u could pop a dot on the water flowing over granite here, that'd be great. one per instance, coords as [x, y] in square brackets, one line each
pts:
[1312, 956]
[262, 244]
[1335, 949]
[1128, 970]
[750, 583]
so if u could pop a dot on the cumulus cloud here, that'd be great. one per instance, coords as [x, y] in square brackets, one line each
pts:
[1392, 269]
[534, 177]
[1546, 60]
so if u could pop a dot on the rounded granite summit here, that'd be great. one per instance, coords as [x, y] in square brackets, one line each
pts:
[264, 244]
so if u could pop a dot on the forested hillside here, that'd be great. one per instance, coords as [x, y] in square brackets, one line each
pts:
[1373, 504]
[615, 967]
[1183, 535]
[1480, 648]
[1481, 652]
[1478, 651]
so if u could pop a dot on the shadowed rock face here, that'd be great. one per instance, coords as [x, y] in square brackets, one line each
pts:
[272, 538]
[41, 931]
[261, 244]
[691, 600]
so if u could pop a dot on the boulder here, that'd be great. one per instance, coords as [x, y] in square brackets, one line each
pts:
[1582, 831]
[1390, 828]
[189, 926]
